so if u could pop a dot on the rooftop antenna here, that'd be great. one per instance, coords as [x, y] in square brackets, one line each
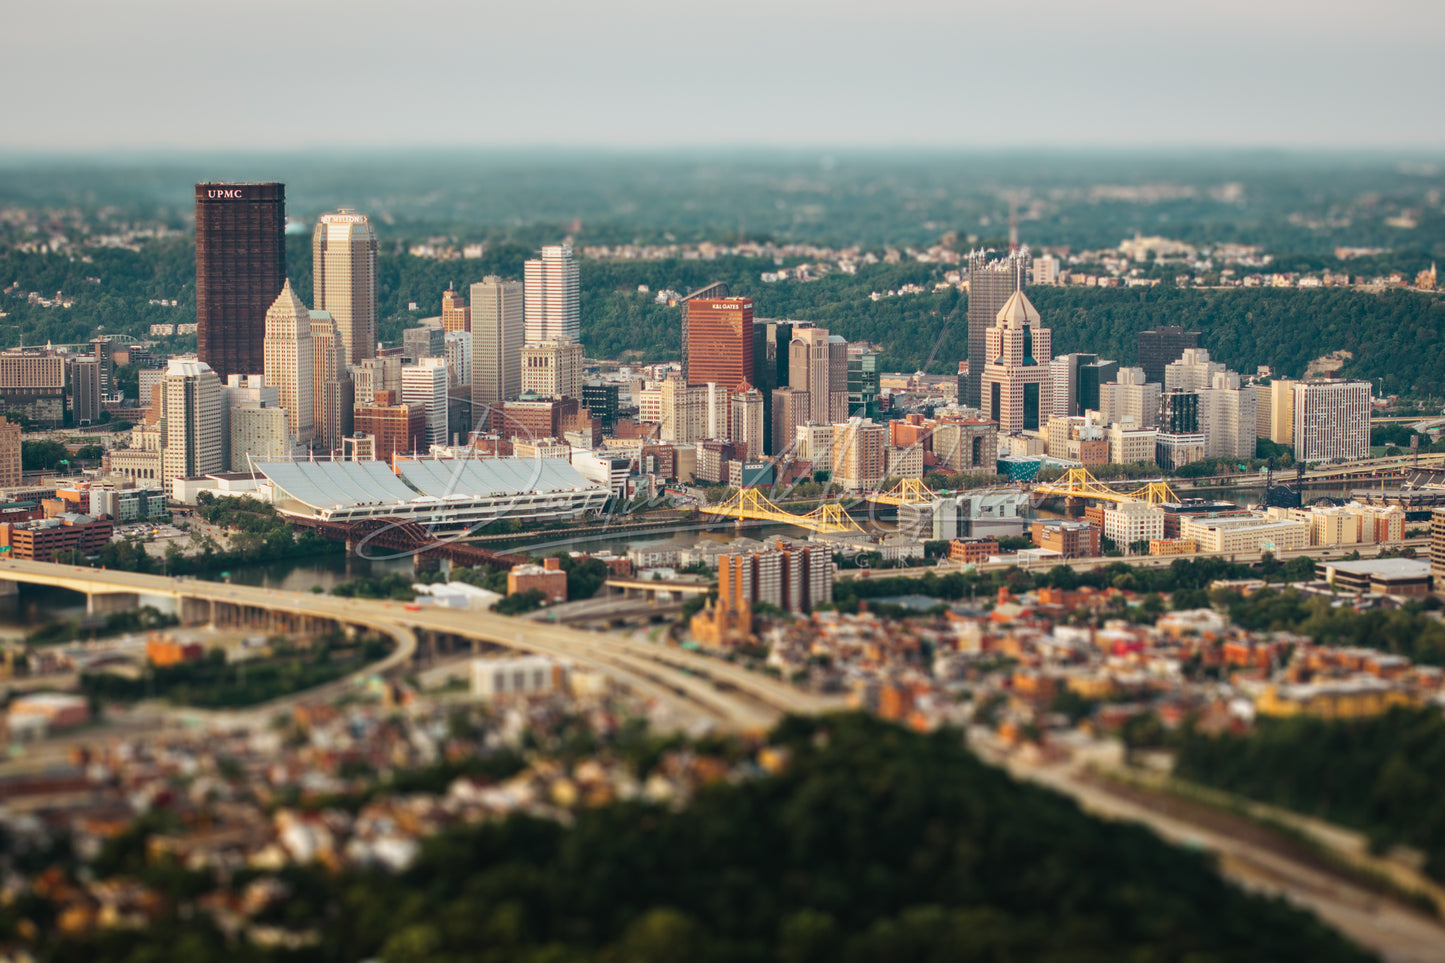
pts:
[1013, 224]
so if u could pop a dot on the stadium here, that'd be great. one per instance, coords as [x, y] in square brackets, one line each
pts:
[438, 493]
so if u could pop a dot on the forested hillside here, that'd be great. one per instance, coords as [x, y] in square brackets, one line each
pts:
[1397, 338]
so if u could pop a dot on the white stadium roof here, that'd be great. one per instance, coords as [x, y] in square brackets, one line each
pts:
[337, 484]
[444, 478]
[453, 491]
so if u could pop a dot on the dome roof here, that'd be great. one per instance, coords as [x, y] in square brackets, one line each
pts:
[1019, 308]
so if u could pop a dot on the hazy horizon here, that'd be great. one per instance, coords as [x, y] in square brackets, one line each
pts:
[161, 75]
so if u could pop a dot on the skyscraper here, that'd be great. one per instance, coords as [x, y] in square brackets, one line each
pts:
[192, 420]
[497, 337]
[1014, 384]
[1331, 420]
[456, 315]
[1162, 345]
[720, 341]
[289, 365]
[990, 285]
[425, 384]
[332, 392]
[240, 267]
[552, 299]
[818, 364]
[343, 279]
[770, 368]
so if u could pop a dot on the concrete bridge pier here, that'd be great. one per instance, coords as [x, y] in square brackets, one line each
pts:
[104, 603]
[196, 611]
[8, 589]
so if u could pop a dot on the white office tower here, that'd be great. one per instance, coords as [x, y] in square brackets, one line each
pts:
[458, 352]
[553, 368]
[1129, 399]
[717, 410]
[1227, 417]
[498, 326]
[191, 420]
[332, 393]
[343, 276]
[257, 427]
[553, 301]
[425, 384]
[1192, 372]
[289, 366]
[1331, 420]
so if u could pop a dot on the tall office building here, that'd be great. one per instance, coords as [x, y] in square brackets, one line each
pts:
[103, 350]
[10, 470]
[1162, 345]
[770, 368]
[720, 341]
[192, 420]
[1192, 371]
[990, 284]
[425, 384]
[343, 279]
[457, 349]
[862, 382]
[683, 411]
[1014, 385]
[85, 378]
[498, 326]
[1227, 417]
[240, 268]
[552, 298]
[456, 315]
[747, 422]
[859, 453]
[1281, 411]
[333, 395]
[289, 366]
[818, 364]
[790, 409]
[1129, 400]
[552, 368]
[255, 427]
[1331, 420]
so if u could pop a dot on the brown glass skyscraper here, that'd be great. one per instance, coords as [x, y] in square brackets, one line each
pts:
[240, 268]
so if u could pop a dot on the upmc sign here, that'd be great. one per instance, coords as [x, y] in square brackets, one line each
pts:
[225, 193]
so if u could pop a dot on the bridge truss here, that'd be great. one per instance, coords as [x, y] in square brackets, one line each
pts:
[908, 491]
[828, 518]
[1078, 483]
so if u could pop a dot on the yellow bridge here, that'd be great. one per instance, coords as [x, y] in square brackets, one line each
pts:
[1078, 483]
[828, 518]
[908, 491]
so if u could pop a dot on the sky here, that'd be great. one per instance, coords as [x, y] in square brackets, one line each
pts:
[88, 75]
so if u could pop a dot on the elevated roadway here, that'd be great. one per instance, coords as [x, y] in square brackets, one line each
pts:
[708, 689]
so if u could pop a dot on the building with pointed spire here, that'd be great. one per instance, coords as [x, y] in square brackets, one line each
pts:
[990, 284]
[1014, 384]
[288, 361]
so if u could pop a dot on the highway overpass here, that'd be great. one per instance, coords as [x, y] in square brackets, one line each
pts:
[708, 689]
